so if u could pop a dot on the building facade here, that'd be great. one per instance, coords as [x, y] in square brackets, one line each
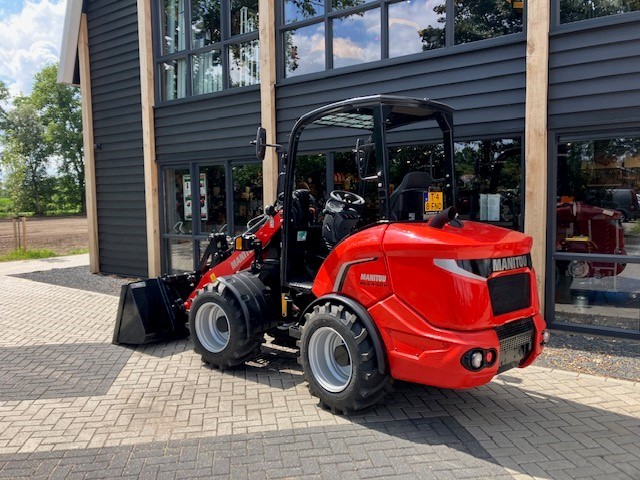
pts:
[547, 123]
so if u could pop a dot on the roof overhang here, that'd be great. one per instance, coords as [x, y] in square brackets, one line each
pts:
[69, 49]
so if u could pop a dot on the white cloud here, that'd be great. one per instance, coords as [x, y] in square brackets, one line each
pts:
[30, 40]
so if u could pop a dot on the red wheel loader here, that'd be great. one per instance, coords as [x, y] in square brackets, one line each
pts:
[380, 284]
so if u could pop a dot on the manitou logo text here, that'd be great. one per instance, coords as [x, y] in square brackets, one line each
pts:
[511, 263]
[373, 279]
[240, 258]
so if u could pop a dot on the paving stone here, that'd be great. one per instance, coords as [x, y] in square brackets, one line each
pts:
[73, 405]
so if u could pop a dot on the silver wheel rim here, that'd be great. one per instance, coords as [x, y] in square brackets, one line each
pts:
[211, 323]
[331, 376]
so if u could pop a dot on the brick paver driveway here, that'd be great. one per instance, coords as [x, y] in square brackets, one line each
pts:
[74, 406]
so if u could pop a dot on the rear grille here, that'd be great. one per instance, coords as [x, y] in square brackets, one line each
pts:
[514, 328]
[516, 342]
[510, 293]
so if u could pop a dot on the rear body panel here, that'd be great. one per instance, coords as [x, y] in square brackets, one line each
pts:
[429, 309]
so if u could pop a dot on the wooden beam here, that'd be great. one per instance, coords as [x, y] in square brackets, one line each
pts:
[147, 100]
[535, 222]
[267, 32]
[87, 144]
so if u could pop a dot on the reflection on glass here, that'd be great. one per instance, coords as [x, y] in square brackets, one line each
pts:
[244, 16]
[205, 22]
[244, 64]
[488, 177]
[247, 195]
[356, 38]
[213, 213]
[416, 26]
[596, 213]
[178, 205]
[297, 10]
[608, 301]
[207, 72]
[311, 174]
[575, 10]
[304, 50]
[174, 34]
[418, 158]
[340, 4]
[481, 19]
[598, 184]
[180, 255]
[174, 79]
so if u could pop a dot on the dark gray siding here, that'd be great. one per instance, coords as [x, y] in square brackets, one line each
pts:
[117, 129]
[486, 86]
[594, 75]
[219, 127]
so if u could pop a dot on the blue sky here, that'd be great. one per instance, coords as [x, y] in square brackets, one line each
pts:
[30, 38]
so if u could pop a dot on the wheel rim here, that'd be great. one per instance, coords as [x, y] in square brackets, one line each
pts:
[330, 359]
[212, 327]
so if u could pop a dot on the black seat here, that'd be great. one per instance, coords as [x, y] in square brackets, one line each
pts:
[407, 200]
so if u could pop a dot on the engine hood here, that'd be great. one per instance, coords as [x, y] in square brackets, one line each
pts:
[425, 276]
[472, 240]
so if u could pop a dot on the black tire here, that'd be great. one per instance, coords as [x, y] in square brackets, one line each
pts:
[358, 384]
[219, 330]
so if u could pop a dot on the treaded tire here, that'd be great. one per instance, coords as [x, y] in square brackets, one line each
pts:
[239, 347]
[365, 386]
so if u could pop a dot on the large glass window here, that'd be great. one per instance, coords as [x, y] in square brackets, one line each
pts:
[200, 199]
[597, 243]
[361, 31]
[178, 201]
[213, 199]
[220, 50]
[247, 195]
[481, 19]
[575, 10]
[356, 38]
[489, 181]
[416, 26]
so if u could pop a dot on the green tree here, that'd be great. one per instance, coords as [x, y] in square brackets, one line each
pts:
[25, 156]
[4, 96]
[575, 10]
[60, 109]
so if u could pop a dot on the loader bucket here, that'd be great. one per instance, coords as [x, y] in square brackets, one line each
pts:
[149, 311]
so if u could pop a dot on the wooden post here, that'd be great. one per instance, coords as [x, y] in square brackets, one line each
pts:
[24, 234]
[87, 142]
[16, 233]
[535, 222]
[267, 32]
[145, 42]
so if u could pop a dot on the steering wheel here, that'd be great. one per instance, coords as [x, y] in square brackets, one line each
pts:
[347, 198]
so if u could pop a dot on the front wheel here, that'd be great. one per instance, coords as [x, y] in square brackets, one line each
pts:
[339, 360]
[219, 330]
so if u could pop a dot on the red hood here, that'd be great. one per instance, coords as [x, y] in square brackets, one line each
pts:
[472, 241]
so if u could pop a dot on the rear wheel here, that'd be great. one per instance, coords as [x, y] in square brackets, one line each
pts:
[219, 330]
[339, 360]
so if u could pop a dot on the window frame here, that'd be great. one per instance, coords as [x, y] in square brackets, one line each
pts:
[329, 15]
[555, 137]
[223, 46]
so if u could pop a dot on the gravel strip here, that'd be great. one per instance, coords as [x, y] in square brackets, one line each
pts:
[80, 278]
[604, 356]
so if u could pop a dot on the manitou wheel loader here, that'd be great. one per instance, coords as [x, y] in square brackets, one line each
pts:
[380, 284]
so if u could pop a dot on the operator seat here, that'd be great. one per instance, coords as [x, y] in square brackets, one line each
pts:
[407, 200]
